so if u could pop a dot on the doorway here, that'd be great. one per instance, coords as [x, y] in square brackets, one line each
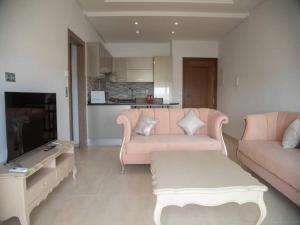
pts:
[199, 83]
[77, 90]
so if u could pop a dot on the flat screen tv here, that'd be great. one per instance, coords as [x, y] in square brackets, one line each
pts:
[30, 121]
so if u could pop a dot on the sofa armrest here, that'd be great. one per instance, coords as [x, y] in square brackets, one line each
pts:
[256, 127]
[215, 121]
[123, 119]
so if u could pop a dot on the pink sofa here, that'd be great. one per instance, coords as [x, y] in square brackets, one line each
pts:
[167, 135]
[261, 151]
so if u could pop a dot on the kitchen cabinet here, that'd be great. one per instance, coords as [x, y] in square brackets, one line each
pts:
[102, 126]
[93, 59]
[99, 60]
[105, 60]
[163, 77]
[140, 63]
[139, 75]
[135, 69]
[120, 69]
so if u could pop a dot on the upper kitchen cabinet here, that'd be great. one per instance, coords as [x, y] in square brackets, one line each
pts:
[106, 60]
[93, 61]
[139, 75]
[99, 60]
[141, 63]
[133, 69]
[120, 69]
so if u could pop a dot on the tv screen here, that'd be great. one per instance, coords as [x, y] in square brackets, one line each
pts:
[30, 121]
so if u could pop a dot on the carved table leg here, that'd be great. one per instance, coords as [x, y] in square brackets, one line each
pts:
[157, 213]
[262, 209]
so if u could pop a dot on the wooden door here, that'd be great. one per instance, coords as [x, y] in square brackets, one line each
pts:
[199, 83]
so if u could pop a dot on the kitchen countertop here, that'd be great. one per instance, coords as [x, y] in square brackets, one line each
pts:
[134, 104]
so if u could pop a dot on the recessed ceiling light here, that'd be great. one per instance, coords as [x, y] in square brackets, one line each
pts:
[173, 32]
[176, 23]
[137, 32]
[136, 23]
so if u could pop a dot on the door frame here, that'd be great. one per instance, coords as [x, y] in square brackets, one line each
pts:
[76, 40]
[215, 61]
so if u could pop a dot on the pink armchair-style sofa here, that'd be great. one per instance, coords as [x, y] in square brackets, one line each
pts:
[261, 151]
[167, 135]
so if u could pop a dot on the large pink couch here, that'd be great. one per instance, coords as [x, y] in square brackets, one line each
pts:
[167, 135]
[261, 151]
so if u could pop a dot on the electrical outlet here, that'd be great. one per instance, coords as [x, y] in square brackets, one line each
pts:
[10, 77]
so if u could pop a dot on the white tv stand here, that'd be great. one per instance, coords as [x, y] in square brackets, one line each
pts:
[21, 193]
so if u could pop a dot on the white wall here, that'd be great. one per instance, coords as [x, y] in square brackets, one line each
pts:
[34, 45]
[138, 49]
[181, 49]
[264, 52]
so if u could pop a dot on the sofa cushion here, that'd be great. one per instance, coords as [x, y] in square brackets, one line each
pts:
[278, 161]
[191, 123]
[145, 125]
[284, 119]
[291, 137]
[142, 144]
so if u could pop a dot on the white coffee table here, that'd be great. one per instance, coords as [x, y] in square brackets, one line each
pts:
[204, 178]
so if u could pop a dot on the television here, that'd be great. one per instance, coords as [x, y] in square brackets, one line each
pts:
[30, 121]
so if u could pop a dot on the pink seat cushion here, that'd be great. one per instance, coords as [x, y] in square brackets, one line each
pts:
[283, 163]
[172, 142]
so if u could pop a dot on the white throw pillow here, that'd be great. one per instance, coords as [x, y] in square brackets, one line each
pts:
[191, 123]
[291, 137]
[145, 125]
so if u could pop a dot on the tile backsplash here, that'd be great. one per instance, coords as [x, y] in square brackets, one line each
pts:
[120, 89]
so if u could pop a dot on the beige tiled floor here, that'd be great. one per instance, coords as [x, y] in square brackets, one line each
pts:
[103, 196]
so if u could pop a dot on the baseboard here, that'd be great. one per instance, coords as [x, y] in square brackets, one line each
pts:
[105, 142]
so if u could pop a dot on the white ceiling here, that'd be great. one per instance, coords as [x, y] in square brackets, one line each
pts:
[198, 19]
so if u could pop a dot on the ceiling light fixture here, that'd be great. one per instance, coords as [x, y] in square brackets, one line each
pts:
[173, 32]
[136, 23]
[176, 23]
[137, 32]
